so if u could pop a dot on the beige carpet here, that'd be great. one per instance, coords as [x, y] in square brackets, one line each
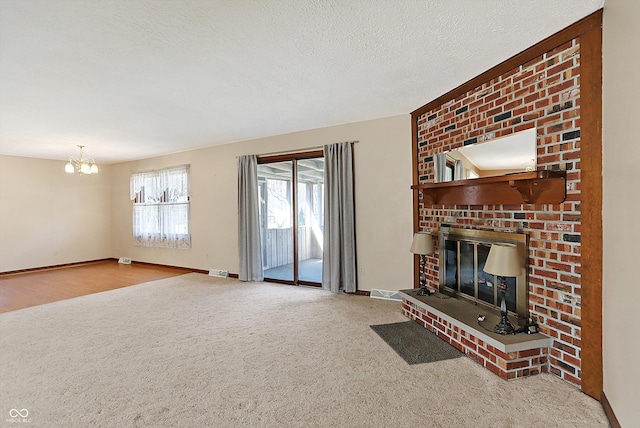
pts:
[197, 351]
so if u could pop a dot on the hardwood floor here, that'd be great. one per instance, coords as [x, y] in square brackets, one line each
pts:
[22, 290]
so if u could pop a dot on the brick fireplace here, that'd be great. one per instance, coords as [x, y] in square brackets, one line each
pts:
[542, 93]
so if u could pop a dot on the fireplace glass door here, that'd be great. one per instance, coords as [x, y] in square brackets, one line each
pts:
[462, 273]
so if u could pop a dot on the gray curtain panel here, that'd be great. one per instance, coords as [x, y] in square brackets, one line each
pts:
[249, 249]
[339, 255]
[439, 167]
[458, 170]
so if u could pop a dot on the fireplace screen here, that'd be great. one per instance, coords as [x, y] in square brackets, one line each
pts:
[463, 254]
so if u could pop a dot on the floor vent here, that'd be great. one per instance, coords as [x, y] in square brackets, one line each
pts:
[220, 273]
[124, 260]
[386, 295]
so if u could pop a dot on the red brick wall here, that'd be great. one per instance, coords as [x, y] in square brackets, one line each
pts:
[543, 93]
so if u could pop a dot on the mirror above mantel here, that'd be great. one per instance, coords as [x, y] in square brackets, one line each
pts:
[492, 157]
[494, 171]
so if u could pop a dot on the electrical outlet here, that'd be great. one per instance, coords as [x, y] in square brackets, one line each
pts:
[361, 270]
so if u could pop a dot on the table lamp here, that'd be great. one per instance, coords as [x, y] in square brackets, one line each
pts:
[422, 245]
[503, 260]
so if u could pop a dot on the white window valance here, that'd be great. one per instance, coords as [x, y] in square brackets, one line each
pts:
[165, 185]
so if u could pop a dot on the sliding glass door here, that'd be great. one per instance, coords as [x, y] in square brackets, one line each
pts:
[275, 185]
[292, 238]
[310, 202]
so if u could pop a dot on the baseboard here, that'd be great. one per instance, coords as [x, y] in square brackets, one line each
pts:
[608, 411]
[361, 293]
[67, 265]
[186, 269]
[52, 267]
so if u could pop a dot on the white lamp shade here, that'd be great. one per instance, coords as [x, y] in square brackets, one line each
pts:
[503, 260]
[422, 244]
[93, 169]
[68, 168]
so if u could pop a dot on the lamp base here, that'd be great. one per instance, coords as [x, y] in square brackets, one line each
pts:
[504, 327]
[423, 291]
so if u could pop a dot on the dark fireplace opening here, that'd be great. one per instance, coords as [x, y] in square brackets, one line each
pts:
[463, 254]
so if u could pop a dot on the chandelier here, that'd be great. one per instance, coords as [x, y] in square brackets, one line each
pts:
[81, 164]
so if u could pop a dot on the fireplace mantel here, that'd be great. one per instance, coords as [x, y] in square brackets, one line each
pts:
[535, 187]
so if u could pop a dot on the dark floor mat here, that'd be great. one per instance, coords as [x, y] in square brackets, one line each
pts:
[414, 343]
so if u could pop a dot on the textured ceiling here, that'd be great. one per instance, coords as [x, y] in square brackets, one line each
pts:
[138, 78]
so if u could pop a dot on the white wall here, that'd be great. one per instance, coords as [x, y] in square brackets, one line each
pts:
[49, 217]
[383, 200]
[621, 208]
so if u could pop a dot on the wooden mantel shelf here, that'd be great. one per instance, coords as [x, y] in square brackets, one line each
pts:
[535, 187]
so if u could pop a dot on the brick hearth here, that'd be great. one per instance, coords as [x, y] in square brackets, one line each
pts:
[455, 322]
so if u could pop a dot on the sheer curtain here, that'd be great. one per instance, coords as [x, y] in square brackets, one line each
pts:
[339, 255]
[161, 208]
[249, 248]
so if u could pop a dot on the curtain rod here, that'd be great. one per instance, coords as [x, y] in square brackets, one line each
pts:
[306, 149]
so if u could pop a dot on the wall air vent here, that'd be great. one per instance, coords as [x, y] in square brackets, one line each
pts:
[386, 295]
[220, 273]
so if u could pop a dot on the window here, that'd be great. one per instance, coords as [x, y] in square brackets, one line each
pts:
[161, 208]
[279, 208]
[449, 171]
